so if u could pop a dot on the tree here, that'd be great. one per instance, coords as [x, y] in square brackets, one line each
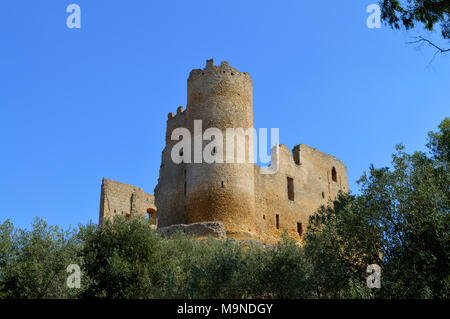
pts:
[277, 271]
[400, 221]
[340, 242]
[410, 12]
[121, 259]
[228, 269]
[33, 262]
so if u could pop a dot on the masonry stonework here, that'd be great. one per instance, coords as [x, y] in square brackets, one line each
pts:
[120, 199]
[250, 205]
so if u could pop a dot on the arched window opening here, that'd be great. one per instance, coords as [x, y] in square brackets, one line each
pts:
[333, 174]
[151, 216]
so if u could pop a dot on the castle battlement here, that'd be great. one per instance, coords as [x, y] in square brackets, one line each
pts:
[249, 204]
[180, 111]
[218, 71]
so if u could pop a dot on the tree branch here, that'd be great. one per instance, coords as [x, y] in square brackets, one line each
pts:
[421, 40]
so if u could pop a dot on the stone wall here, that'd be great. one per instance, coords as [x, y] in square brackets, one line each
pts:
[169, 192]
[248, 204]
[199, 230]
[312, 186]
[251, 205]
[123, 199]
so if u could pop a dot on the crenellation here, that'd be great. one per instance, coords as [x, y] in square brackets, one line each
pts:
[177, 120]
[180, 112]
[248, 204]
[218, 72]
[251, 205]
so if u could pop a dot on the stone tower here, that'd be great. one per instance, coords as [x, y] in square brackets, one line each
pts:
[233, 191]
[221, 97]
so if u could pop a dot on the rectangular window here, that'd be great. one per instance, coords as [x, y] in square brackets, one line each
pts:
[277, 220]
[290, 188]
[185, 187]
[296, 156]
[300, 229]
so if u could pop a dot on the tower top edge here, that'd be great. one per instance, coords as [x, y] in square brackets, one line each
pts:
[224, 69]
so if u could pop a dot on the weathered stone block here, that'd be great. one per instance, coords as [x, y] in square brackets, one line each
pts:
[203, 229]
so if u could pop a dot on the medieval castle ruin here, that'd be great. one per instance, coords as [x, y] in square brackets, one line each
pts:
[236, 196]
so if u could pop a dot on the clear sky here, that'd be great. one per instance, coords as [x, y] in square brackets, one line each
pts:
[77, 105]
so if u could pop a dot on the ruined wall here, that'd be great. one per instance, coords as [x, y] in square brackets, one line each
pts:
[238, 195]
[313, 186]
[123, 199]
[170, 190]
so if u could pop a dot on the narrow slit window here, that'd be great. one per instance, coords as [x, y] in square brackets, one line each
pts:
[222, 184]
[300, 229]
[277, 221]
[333, 174]
[185, 187]
[290, 188]
[296, 154]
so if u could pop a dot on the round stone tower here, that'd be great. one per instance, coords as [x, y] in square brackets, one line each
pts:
[221, 97]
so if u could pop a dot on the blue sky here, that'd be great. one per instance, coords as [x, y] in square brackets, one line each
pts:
[77, 105]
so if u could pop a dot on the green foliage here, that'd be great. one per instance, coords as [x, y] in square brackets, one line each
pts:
[411, 204]
[439, 143]
[278, 272]
[340, 243]
[213, 270]
[226, 269]
[399, 221]
[409, 12]
[121, 259]
[33, 263]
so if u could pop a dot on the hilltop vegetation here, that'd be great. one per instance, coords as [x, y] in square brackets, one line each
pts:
[399, 221]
